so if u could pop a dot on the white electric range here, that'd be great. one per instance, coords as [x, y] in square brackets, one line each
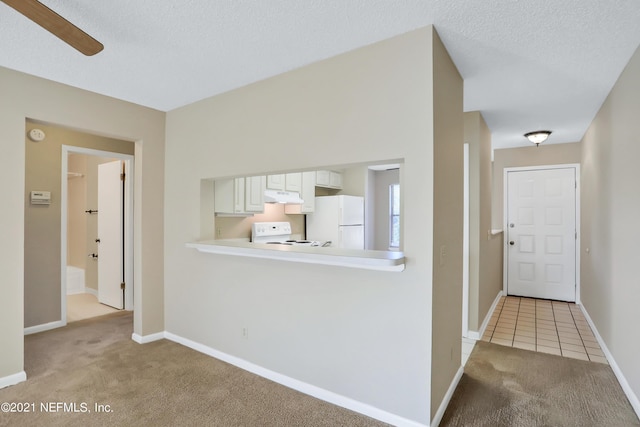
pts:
[277, 233]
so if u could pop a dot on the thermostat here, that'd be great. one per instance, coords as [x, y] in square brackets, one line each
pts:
[36, 135]
[41, 197]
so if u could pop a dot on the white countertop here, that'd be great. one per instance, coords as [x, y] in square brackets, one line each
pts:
[366, 259]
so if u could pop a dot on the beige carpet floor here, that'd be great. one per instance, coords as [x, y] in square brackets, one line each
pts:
[504, 386]
[95, 362]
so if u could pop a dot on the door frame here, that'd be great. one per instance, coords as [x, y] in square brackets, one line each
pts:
[465, 243]
[128, 159]
[505, 225]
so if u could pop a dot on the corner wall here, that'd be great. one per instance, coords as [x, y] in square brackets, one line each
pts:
[448, 176]
[485, 249]
[362, 335]
[610, 230]
[24, 97]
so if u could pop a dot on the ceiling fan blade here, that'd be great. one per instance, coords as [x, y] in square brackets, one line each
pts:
[56, 25]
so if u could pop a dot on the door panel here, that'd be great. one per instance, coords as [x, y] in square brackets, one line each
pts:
[541, 233]
[110, 228]
[254, 187]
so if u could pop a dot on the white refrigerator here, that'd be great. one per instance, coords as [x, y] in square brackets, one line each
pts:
[339, 219]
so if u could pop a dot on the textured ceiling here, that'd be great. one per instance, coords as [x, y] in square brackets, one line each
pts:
[527, 64]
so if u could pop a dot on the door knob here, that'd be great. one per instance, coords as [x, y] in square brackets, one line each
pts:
[511, 242]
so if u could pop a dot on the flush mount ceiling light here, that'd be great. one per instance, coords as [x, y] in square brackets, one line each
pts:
[538, 136]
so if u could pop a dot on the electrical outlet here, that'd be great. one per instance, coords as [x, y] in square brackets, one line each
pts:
[245, 333]
[443, 254]
[218, 231]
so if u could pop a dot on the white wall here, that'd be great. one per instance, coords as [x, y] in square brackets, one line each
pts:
[361, 334]
[610, 230]
[25, 97]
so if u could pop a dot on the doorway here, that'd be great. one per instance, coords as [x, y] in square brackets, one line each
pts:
[118, 234]
[541, 257]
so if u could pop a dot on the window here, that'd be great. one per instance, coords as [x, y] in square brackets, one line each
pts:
[394, 216]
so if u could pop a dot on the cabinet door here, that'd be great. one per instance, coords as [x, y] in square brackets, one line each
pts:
[238, 199]
[293, 182]
[275, 182]
[322, 178]
[335, 179]
[329, 179]
[254, 193]
[308, 192]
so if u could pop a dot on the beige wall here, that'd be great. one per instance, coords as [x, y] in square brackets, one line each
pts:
[381, 181]
[485, 249]
[42, 287]
[610, 230]
[361, 334]
[24, 97]
[448, 171]
[76, 217]
[530, 155]
[354, 181]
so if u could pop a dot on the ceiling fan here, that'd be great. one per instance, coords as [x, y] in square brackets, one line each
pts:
[56, 25]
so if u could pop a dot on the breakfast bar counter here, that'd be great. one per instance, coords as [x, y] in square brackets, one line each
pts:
[354, 258]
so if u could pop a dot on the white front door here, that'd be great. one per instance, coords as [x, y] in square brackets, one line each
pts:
[110, 233]
[540, 250]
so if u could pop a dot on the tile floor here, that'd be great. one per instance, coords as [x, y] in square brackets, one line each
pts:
[84, 306]
[546, 326]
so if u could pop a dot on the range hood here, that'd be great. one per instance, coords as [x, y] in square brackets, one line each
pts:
[284, 197]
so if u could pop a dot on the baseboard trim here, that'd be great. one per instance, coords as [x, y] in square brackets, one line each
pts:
[476, 335]
[91, 291]
[628, 391]
[44, 327]
[13, 379]
[435, 422]
[306, 388]
[144, 339]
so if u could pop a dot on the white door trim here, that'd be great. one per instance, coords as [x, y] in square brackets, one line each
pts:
[128, 232]
[576, 167]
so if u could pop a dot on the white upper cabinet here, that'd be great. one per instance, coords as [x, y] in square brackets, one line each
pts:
[329, 179]
[276, 182]
[254, 193]
[229, 196]
[307, 193]
[293, 182]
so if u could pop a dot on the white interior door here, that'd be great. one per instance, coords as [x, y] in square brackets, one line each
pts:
[541, 233]
[110, 233]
